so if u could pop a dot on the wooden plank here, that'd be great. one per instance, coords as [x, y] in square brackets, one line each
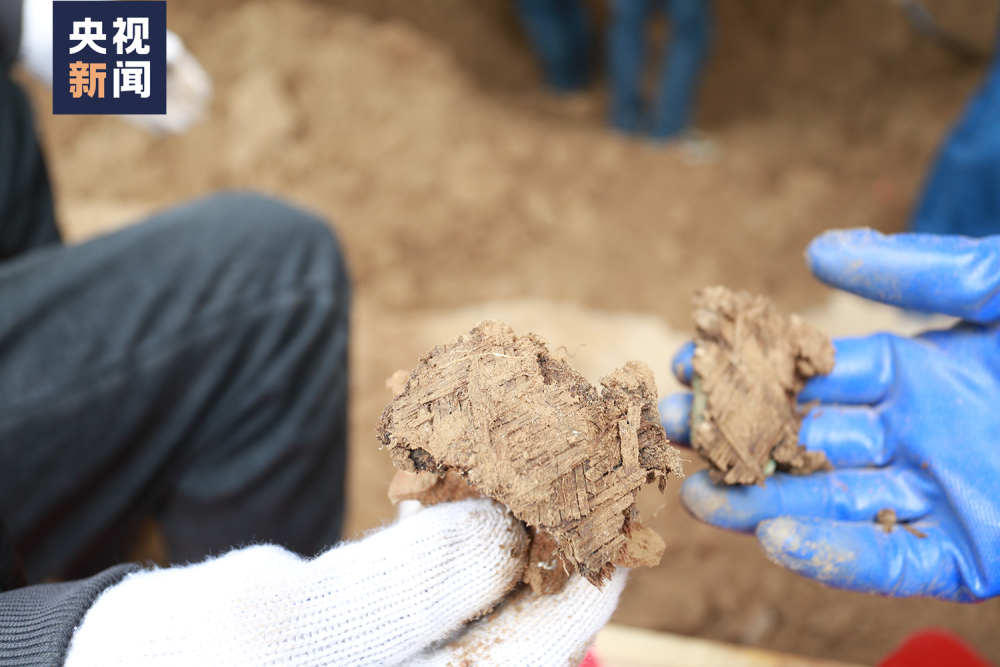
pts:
[621, 646]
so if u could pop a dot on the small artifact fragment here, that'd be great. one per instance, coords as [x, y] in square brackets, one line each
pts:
[750, 363]
[499, 413]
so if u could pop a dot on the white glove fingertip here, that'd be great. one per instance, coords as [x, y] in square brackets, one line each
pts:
[535, 631]
[480, 544]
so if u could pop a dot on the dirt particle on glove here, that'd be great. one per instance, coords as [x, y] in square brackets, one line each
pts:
[750, 363]
[887, 518]
[521, 426]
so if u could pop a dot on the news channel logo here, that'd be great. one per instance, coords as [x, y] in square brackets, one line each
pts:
[109, 57]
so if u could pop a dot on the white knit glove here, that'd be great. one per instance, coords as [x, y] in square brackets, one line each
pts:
[189, 88]
[401, 596]
[550, 630]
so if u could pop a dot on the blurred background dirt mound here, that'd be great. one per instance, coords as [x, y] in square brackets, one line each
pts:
[451, 183]
[461, 191]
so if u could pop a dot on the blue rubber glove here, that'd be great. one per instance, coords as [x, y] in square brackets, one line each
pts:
[908, 424]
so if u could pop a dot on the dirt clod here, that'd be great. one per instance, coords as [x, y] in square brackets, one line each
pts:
[888, 519]
[644, 549]
[749, 365]
[521, 426]
[397, 383]
[546, 572]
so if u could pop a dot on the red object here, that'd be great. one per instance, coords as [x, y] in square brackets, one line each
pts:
[933, 648]
[591, 660]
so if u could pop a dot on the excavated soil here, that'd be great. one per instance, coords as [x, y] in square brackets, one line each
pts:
[417, 127]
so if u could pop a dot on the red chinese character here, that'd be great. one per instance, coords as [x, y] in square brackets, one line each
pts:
[96, 80]
[79, 78]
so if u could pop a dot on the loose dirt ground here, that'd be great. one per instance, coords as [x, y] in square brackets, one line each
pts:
[463, 192]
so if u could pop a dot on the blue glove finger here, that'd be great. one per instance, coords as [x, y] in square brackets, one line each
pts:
[846, 495]
[862, 374]
[953, 275]
[683, 363]
[675, 415]
[864, 557]
[850, 437]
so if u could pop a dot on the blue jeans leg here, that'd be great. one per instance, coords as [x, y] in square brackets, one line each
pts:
[691, 28]
[626, 60]
[561, 34]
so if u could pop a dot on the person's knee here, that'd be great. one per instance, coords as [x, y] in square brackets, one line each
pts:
[255, 234]
[268, 220]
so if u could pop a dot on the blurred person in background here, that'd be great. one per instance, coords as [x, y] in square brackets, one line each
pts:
[667, 114]
[194, 368]
[962, 193]
[562, 36]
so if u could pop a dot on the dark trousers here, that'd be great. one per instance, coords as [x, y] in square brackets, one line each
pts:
[562, 37]
[670, 111]
[192, 367]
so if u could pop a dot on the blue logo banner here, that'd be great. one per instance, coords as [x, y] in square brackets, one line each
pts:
[109, 57]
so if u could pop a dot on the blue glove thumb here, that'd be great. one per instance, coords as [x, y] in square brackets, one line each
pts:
[675, 410]
[951, 275]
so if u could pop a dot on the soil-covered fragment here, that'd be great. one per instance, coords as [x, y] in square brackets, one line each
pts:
[521, 426]
[546, 571]
[644, 549]
[750, 364]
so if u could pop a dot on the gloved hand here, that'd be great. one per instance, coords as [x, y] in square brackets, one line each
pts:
[189, 89]
[911, 425]
[391, 599]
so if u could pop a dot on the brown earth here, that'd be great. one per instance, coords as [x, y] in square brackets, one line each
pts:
[417, 127]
